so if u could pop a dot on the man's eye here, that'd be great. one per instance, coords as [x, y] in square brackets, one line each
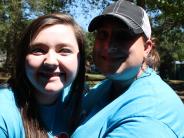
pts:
[101, 35]
[122, 36]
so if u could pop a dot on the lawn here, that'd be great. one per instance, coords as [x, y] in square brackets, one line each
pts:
[177, 85]
[92, 79]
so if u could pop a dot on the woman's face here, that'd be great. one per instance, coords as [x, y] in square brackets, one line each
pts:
[52, 61]
[117, 53]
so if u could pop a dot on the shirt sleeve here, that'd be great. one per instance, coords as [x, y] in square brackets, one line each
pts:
[3, 131]
[3, 134]
[139, 127]
[11, 125]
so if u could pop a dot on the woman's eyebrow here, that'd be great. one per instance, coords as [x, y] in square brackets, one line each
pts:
[37, 44]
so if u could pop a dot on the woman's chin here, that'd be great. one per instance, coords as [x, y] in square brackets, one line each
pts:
[53, 88]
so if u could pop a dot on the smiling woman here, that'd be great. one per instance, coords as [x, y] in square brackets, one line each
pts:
[47, 62]
[44, 93]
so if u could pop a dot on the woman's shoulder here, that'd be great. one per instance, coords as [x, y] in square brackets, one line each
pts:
[10, 119]
[7, 100]
[6, 94]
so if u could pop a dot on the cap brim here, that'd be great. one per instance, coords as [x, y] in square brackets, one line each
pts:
[95, 23]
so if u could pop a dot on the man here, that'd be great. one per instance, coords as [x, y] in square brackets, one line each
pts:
[133, 102]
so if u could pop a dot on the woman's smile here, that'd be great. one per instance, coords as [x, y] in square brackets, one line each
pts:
[52, 61]
[52, 76]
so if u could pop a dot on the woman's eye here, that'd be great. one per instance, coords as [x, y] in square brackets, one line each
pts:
[37, 51]
[65, 51]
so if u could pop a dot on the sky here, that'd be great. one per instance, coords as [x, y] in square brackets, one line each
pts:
[84, 11]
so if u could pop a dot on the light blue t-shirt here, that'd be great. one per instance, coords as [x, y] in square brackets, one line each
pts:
[11, 125]
[149, 108]
[55, 117]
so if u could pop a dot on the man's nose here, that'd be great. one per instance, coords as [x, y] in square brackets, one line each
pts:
[112, 45]
[107, 44]
[106, 49]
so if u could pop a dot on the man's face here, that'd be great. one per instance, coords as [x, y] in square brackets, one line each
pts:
[116, 51]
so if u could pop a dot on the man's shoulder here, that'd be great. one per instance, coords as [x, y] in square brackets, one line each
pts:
[97, 93]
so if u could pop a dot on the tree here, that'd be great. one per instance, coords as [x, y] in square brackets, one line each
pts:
[89, 37]
[167, 19]
[11, 16]
[168, 28]
[14, 17]
[40, 7]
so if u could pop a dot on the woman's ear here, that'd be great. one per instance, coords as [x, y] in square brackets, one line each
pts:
[147, 48]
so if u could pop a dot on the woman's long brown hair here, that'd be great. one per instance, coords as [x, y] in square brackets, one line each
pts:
[33, 124]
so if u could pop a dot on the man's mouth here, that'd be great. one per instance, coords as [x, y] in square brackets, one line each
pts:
[114, 58]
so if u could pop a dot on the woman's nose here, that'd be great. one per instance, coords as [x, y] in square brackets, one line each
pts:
[51, 60]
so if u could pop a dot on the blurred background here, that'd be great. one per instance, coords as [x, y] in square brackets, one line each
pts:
[166, 16]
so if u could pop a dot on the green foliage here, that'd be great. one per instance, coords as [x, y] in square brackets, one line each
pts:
[171, 13]
[46, 6]
[14, 19]
[89, 37]
[168, 28]
[167, 18]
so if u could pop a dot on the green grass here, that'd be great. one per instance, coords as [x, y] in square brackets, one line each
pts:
[3, 79]
[94, 77]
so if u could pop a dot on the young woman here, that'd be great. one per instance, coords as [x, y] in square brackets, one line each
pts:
[42, 99]
[133, 102]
